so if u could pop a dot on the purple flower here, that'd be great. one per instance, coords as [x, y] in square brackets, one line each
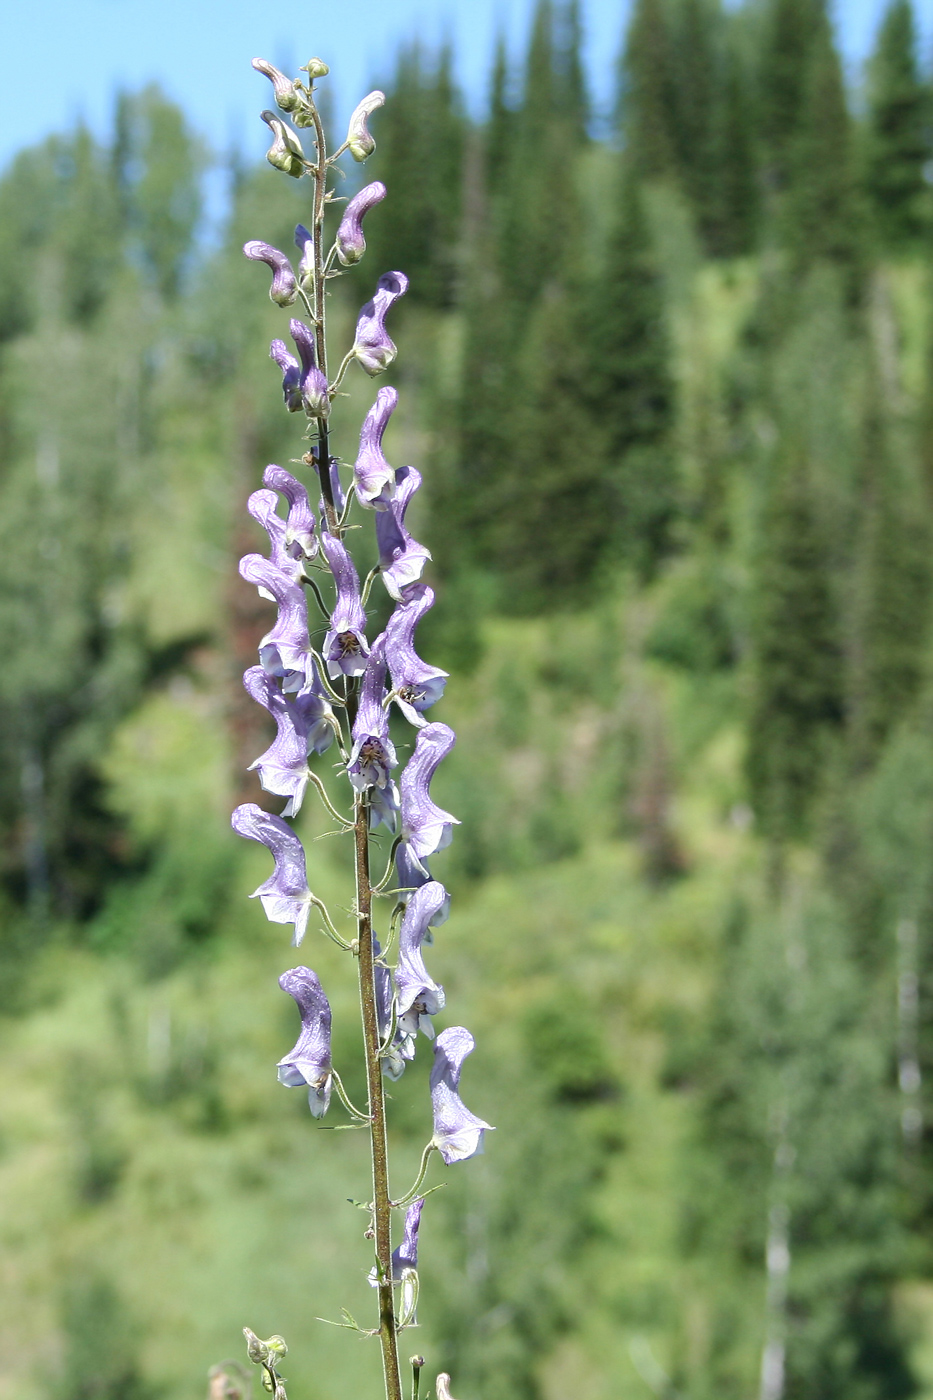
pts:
[373, 754]
[401, 558]
[418, 997]
[411, 874]
[359, 141]
[393, 1065]
[416, 685]
[263, 507]
[314, 394]
[458, 1133]
[426, 828]
[284, 289]
[345, 646]
[351, 245]
[309, 1062]
[285, 896]
[291, 374]
[406, 1255]
[304, 726]
[374, 478]
[300, 538]
[285, 651]
[372, 345]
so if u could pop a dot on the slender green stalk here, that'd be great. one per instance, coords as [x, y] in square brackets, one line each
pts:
[319, 293]
[382, 1205]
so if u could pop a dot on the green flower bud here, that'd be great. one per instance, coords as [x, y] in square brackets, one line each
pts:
[285, 153]
[256, 1350]
[276, 1346]
[359, 141]
[287, 95]
[315, 68]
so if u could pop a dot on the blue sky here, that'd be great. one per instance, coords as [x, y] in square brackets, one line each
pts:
[65, 58]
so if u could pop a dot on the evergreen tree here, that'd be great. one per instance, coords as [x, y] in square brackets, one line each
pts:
[419, 156]
[631, 392]
[500, 124]
[897, 138]
[735, 212]
[797, 699]
[821, 211]
[646, 101]
[790, 33]
[697, 99]
[572, 99]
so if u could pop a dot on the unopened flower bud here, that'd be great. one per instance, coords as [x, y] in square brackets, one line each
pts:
[351, 245]
[284, 289]
[315, 68]
[287, 95]
[276, 1345]
[285, 153]
[360, 142]
[256, 1350]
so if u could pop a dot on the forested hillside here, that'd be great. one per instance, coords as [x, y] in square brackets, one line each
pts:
[670, 386]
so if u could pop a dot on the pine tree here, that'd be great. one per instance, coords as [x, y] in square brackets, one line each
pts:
[789, 36]
[572, 98]
[821, 210]
[735, 213]
[500, 123]
[631, 393]
[697, 102]
[797, 699]
[646, 92]
[897, 139]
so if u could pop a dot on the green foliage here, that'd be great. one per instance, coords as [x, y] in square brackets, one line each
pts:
[897, 140]
[646, 94]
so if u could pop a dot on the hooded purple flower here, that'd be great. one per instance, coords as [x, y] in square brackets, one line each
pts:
[351, 245]
[314, 394]
[393, 1065]
[285, 651]
[417, 686]
[309, 1062]
[303, 728]
[418, 997]
[284, 289]
[263, 507]
[374, 478]
[426, 828]
[372, 345]
[345, 646]
[305, 242]
[373, 754]
[285, 896]
[458, 1133]
[411, 874]
[300, 539]
[401, 558]
[291, 374]
[406, 1255]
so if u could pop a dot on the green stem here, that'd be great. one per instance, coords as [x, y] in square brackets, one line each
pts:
[317, 236]
[382, 1204]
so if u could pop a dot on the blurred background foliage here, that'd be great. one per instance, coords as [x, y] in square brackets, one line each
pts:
[671, 389]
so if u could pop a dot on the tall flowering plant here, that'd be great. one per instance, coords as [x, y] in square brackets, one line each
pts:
[337, 696]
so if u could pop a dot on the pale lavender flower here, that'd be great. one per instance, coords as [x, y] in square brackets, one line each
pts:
[401, 559]
[285, 896]
[426, 828]
[309, 1062]
[286, 94]
[458, 1133]
[374, 478]
[285, 651]
[351, 245]
[373, 754]
[284, 289]
[300, 538]
[415, 685]
[345, 646]
[406, 1255]
[359, 141]
[411, 874]
[305, 726]
[372, 345]
[304, 241]
[291, 374]
[418, 997]
[393, 1065]
[314, 393]
[263, 507]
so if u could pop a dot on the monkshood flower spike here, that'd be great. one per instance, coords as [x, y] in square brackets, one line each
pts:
[347, 707]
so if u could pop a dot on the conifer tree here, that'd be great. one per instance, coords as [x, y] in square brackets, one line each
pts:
[897, 138]
[796, 659]
[500, 123]
[646, 92]
[736, 201]
[631, 391]
[790, 33]
[571, 94]
[821, 210]
[697, 94]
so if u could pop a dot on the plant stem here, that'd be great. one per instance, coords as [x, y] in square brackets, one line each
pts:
[317, 234]
[382, 1210]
